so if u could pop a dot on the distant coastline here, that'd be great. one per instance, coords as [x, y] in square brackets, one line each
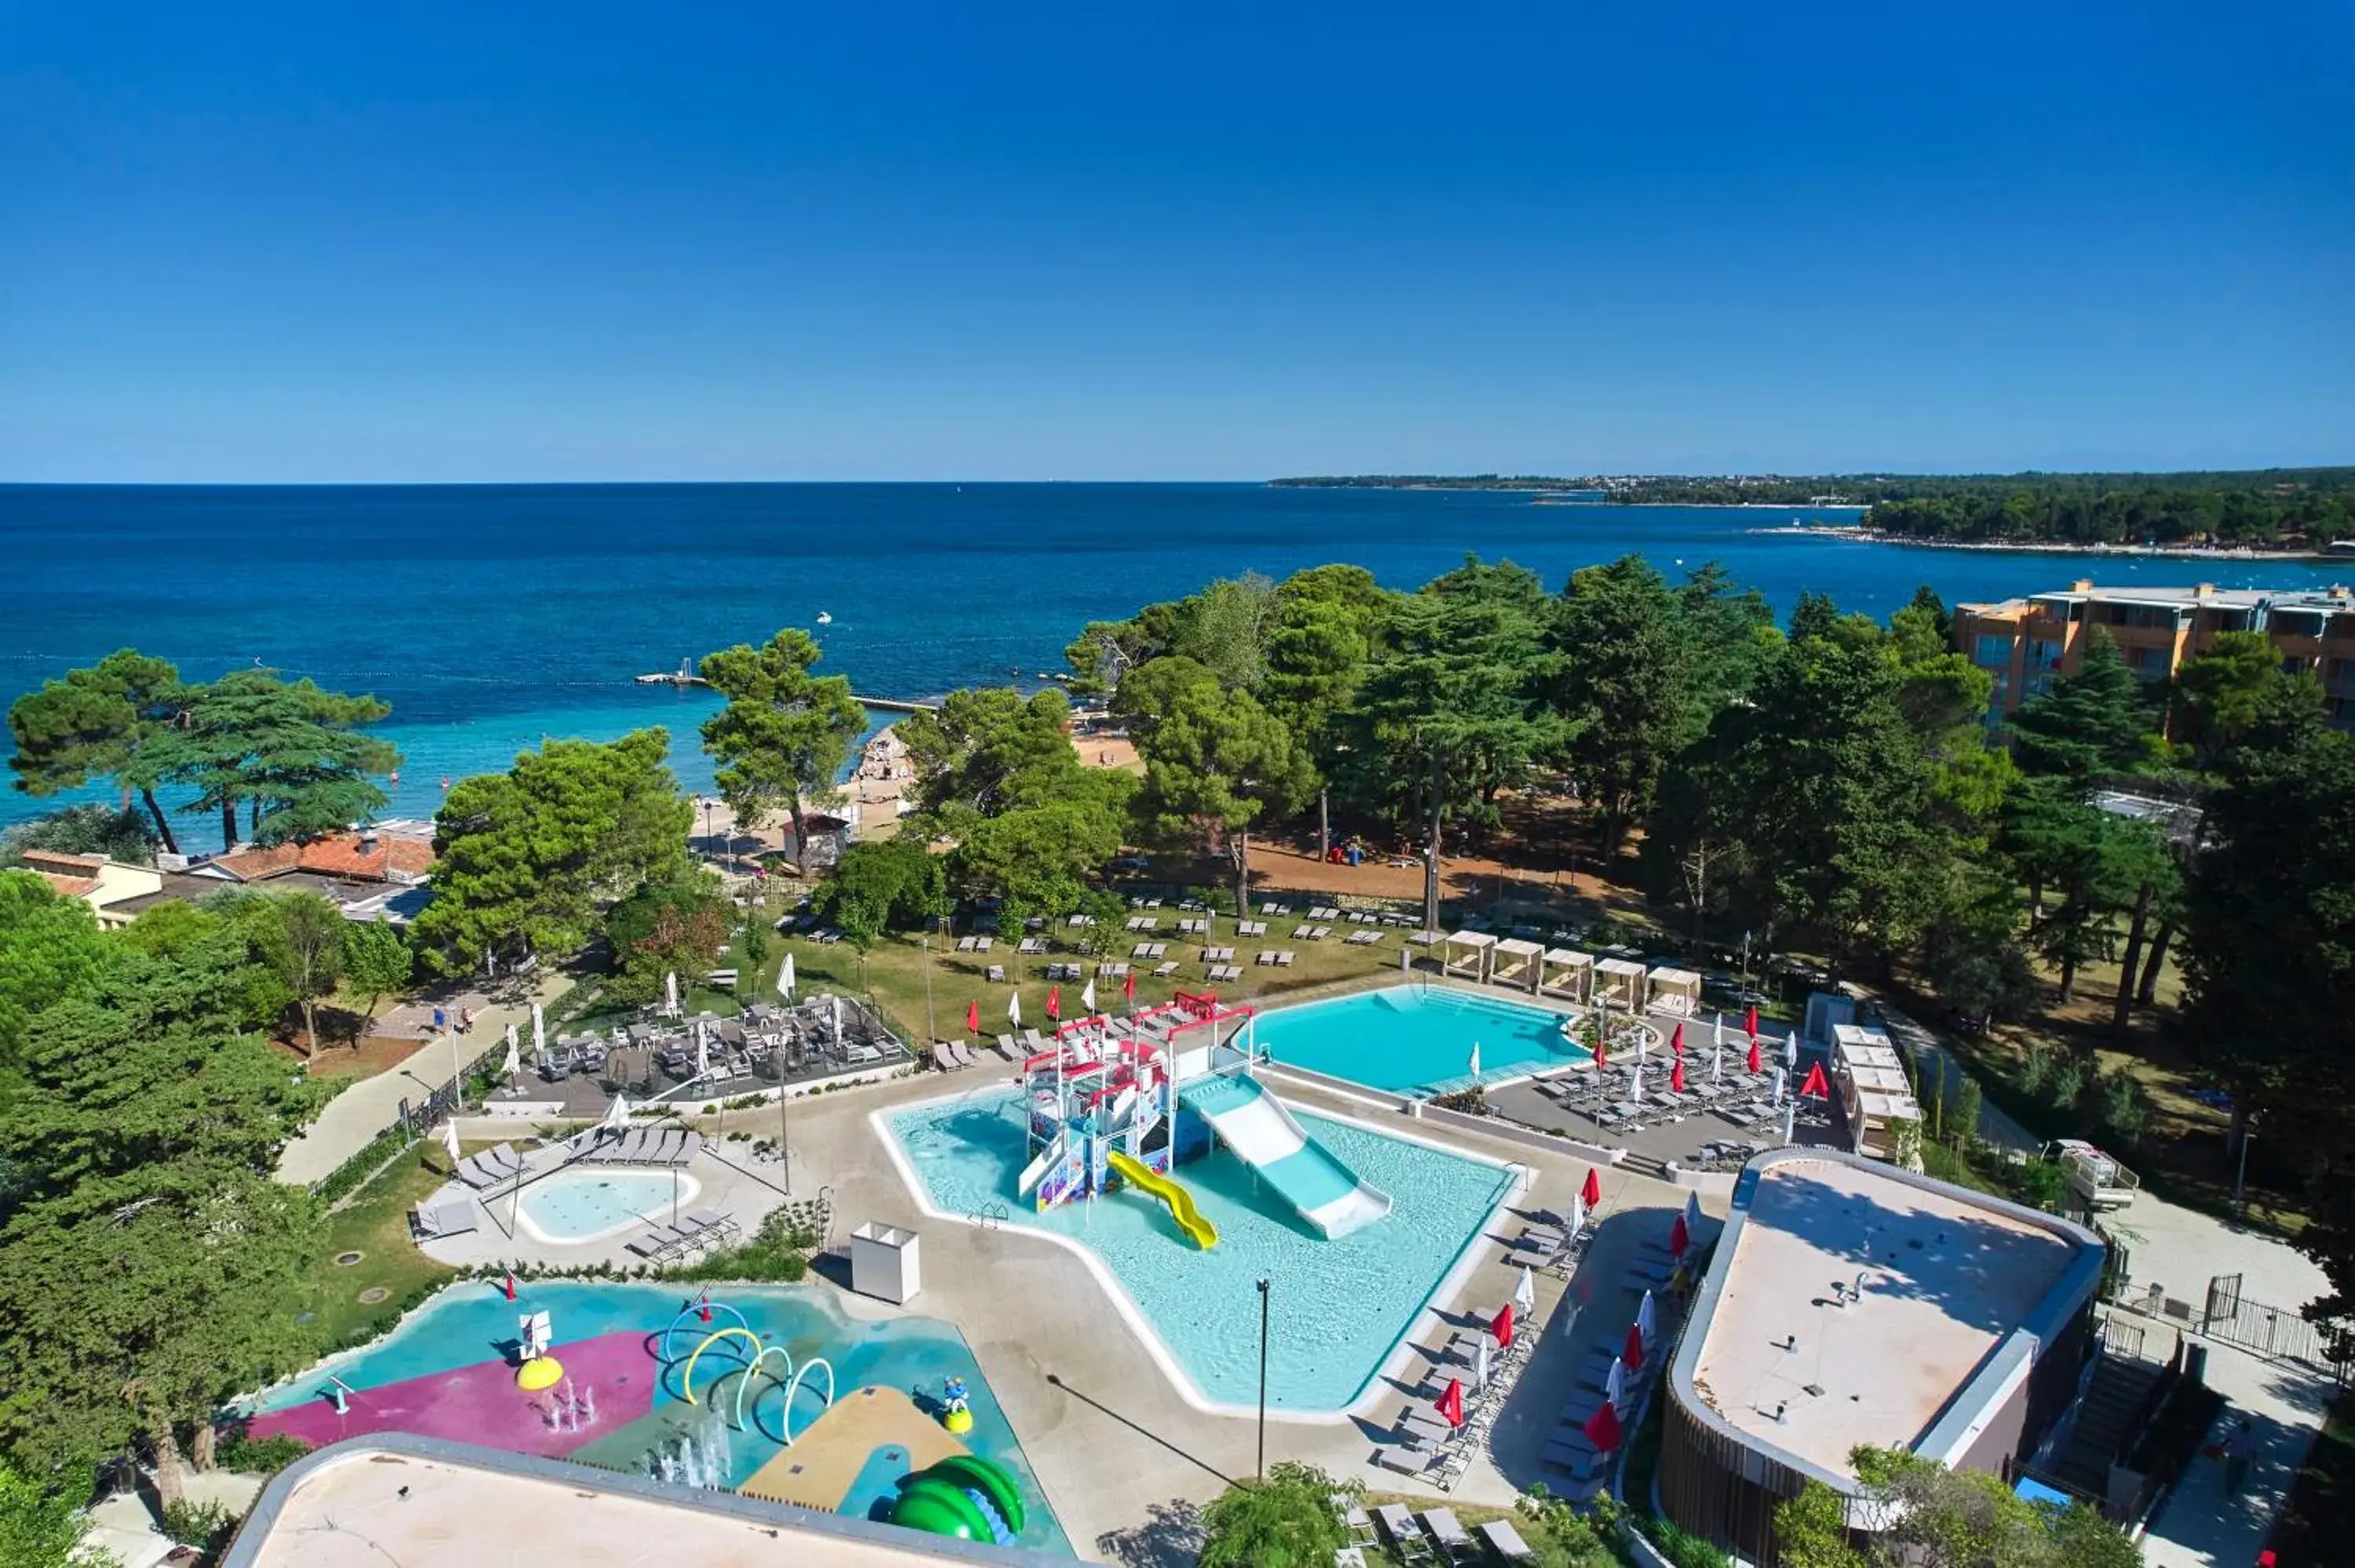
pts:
[2062, 547]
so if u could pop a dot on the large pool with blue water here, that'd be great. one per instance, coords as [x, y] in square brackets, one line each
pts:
[1338, 1308]
[1416, 1040]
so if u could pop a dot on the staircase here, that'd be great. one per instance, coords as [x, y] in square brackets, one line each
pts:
[2108, 1419]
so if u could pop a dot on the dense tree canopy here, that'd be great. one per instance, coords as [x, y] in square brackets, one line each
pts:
[1287, 1519]
[146, 1257]
[781, 741]
[101, 723]
[298, 757]
[528, 856]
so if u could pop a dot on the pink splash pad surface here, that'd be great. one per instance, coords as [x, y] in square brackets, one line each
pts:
[481, 1404]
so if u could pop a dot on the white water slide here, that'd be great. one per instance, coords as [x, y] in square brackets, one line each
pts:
[1263, 1135]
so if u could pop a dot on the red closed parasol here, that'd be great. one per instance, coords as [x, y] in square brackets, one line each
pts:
[1633, 1352]
[1450, 1405]
[1503, 1326]
[1592, 1192]
[1603, 1429]
[1817, 1087]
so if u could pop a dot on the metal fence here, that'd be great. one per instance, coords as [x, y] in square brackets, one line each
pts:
[2274, 1331]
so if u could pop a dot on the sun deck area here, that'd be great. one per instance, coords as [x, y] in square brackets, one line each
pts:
[1855, 1306]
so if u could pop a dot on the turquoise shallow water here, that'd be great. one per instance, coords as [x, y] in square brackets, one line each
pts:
[1337, 1308]
[471, 1323]
[578, 1206]
[1415, 1039]
[490, 615]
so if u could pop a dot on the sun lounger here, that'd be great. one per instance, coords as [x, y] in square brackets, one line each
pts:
[1504, 1543]
[713, 1223]
[1449, 1536]
[1005, 1048]
[1411, 1462]
[449, 1218]
[996, 975]
[1163, 970]
[1266, 958]
[646, 1246]
[1406, 1537]
[1030, 1038]
[964, 1053]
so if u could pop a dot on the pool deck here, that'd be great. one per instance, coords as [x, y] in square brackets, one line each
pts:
[1113, 1441]
[1116, 1444]
[723, 1179]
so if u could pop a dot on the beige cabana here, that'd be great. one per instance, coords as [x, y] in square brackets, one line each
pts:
[1621, 983]
[1676, 991]
[1871, 1079]
[1567, 973]
[1514, 962]
[1477, 948]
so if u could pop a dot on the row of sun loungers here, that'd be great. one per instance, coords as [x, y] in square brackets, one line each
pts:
[491, 1167]
[643, 1146]
[696, 1230]
[1435, 1537]
[1311, 933]
[953, 1054]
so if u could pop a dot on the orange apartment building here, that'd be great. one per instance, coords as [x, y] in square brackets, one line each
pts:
[2024, 642]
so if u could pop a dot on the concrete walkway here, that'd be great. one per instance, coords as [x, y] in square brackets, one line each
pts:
[1996, 1125]
[2179, 1250]
[355, 1116]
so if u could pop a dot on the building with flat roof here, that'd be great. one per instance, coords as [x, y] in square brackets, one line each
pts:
[395, 1498]
[2024, 642]
[1850, 1302]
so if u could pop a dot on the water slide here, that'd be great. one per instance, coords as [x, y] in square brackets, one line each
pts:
[1263, 1135]
[965, 1496]
[1200, 1230]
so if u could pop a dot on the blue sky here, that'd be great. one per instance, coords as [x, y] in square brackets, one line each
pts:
[434, 241]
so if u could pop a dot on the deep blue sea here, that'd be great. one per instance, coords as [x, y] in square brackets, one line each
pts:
[489, 617]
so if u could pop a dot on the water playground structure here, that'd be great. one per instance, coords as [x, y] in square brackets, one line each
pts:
[962, 1496]
[1119, 1102]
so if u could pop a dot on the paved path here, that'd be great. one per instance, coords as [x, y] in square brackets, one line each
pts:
[355, 1116]
[2180, 1249]
[1996, 1125]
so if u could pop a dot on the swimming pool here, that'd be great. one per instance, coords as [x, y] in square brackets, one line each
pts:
[1338, 1308]
[446, 1373]
[1416, 1040]
[577, 1206]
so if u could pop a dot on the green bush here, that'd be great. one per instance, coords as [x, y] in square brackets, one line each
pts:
[250, 1455]
[361, 1166]
[203, 1525]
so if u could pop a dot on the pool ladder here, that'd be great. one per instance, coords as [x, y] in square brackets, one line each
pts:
[989, 1218]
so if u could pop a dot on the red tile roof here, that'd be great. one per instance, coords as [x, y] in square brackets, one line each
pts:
[68, 886]
[337, 855]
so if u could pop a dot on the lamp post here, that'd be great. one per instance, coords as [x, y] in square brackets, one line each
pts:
[1263, 1378]
[932, 1024]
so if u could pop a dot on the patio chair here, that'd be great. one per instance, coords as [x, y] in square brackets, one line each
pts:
[1283, 958]
[1406, 1538]
[1450, 1537]
[1164, 970]
[648, 1247]
[715, 1222]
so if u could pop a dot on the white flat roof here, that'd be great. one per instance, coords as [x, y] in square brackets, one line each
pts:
[1473, 938]
[1518, 948]
[382, 1501]
[1628, 967]
[1946, 1281]
[1675, 977]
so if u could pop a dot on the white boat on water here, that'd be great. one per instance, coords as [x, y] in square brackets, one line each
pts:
[823, 619]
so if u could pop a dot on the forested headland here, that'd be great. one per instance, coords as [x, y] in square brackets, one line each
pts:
[2255, 508]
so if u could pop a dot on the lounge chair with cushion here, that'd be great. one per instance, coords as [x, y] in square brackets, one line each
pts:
[1449, 1536]
[1405, 1536]
[690, 1145]
[1504, 1543]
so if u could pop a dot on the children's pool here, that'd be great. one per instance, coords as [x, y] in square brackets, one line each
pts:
[1416, 1040]
[447, 1372]
[1338, 1308]
[590, 1205]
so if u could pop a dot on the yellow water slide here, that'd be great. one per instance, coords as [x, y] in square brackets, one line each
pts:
[1200, 1230]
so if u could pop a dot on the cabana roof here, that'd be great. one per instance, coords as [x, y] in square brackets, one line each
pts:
[1683, 978]
[1629, 968]
[1472, 939]
[1515, 948]
[1570, 955]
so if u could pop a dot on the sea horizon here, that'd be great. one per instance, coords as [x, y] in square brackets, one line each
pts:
[493, 615]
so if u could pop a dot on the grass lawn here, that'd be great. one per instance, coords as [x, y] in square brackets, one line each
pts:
[895, 972]
[376, 1225]
[1471, 1516]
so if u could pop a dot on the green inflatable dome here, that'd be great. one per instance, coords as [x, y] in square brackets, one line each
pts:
[965, 1496]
